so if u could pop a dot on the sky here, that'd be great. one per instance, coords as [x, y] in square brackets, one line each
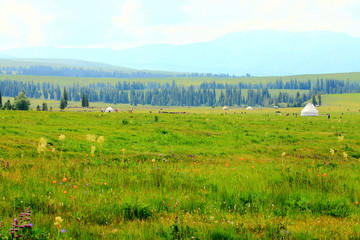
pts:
[121, 24]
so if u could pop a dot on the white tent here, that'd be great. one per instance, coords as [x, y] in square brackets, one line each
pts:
[225, 108]
[249, 108]
[310, 110]
[109, 109]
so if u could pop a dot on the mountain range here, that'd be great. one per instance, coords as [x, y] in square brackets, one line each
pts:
[259, 53]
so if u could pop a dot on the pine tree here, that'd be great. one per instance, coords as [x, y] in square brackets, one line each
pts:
[86, 100]
[8, 105]
[314, 100]
[319, 98]
[62, 104]
[44, 107]
[65, 97]
[0, 100]
[82, 99]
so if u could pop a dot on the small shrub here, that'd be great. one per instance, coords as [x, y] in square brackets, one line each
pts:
[220, 234]
[131, 211]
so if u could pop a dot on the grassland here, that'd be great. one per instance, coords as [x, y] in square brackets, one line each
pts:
[350, 100]
[202, 175]
[182, 81]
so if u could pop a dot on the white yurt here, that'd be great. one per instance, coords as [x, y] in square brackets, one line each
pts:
[109, 109]
[310, 110]
[249, 108]
[225, 108]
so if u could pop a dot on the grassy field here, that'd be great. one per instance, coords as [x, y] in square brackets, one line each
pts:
[350, 100]
[201, 175]
[182, 81]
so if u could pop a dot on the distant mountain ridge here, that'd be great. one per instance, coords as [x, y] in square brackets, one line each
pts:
[261, 53]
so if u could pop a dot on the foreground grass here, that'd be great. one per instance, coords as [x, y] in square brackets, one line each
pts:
[204, 175]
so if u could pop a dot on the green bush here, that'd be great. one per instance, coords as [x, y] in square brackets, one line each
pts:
[131, 211]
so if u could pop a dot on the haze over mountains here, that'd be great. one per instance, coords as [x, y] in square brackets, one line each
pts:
[260, 53]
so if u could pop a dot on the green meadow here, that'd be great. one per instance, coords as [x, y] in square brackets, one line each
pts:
[206, 174]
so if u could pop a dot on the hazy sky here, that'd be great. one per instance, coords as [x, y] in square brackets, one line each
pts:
[126, 23]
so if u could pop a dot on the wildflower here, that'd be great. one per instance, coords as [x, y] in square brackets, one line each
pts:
[253, 166]
[324, 174]
[105, 183]
[345, 155]
[75, 187]
[340, 138]
[52, 149]
[58, 221]
[63, 230]
[153, 160]
[227, 164]
[101, 140]
[357, 203]
[54, 181]
[309, 170]
[65, 192]
[64, 179]
[62, 137]
[123, 150]
[93, 150]
[283, 154]
[90, 138]
[41, 145]
[332, 152]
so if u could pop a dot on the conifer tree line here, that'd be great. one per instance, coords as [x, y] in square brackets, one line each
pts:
[153, 93]
[43, 70]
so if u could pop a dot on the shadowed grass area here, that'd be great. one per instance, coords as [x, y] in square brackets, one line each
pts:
[202, 175]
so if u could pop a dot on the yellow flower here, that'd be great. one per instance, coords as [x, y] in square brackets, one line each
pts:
[153, 161]
[345, 155]
[340, 138]
[92, 149]
[90, 138]
[41, 145]
[62, 137]
[123, 150]
[283, 154]
[101, 140]
[58, 221]
[332, 151]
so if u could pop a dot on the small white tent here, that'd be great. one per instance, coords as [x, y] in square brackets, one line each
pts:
[249, 108]
[225, 108]
[109, 109]
[310, 110]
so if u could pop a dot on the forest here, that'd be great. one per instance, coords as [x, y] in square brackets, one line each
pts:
[44, 70]
[207, 94]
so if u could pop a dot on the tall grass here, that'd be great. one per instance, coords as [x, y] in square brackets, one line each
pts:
[191, 176]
